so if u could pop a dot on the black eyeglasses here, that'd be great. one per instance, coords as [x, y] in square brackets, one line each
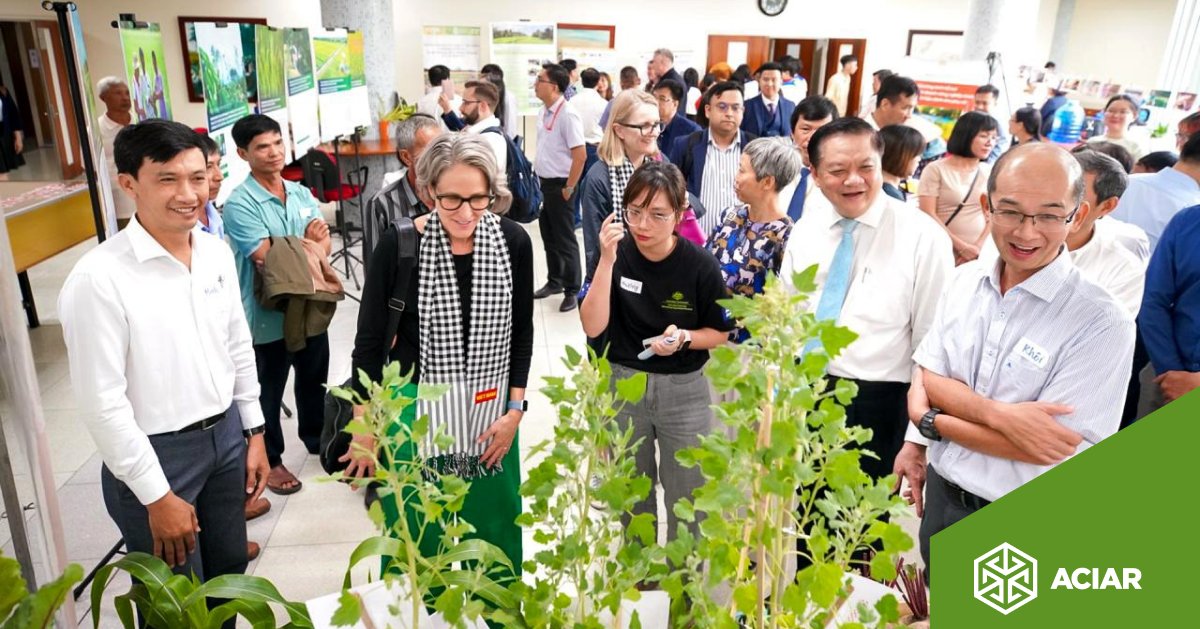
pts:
[1041, 222]
[452, 202]
[645, 129]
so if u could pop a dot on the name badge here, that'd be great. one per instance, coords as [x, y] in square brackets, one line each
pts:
[1032, 352]
[486, 396]
[631, 285]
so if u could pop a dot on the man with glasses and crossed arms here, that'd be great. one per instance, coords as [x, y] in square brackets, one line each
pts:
[1024, 365]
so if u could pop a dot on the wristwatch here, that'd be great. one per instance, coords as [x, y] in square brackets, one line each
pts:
[569, 189]
[518, 405]
[926, 426]
[257, 430]
[687, 340]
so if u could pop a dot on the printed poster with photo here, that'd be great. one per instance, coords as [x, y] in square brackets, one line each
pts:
[331, 63]
[521, 49]
[360, 99]
[456, 47]
[222, 67]
[271, 80]
[146, 69]
[301, 90]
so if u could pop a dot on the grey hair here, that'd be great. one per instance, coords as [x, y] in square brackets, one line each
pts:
[663, 52]
[1074, 170]
[107, 83]
[1110, 178]
[775, 157]
[406, 130]
[468, 149]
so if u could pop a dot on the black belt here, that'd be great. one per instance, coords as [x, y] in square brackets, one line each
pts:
[560, 180]
[204, 424]
[964, 497]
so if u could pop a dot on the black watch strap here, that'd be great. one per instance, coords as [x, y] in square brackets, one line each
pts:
[926, 427]
[257, 430]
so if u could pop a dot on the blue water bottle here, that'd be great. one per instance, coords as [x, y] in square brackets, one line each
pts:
[1068, 123]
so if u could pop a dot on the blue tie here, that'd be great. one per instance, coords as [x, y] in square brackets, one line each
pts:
[837, 282]
[796, 207]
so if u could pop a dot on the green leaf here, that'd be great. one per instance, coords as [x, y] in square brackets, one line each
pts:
[349, 611]
[632, 389]
[151, 571]
[250, 589]
[888, 608]
[12, 586]
[258, 614]
[38, 609]
[379, 546]
[431, 392]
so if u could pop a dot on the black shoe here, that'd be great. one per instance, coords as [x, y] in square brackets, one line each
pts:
[569, 303]
[546, 291]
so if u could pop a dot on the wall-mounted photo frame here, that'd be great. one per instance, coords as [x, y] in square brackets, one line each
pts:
[191, 54]
[935, 45]
[586, 36]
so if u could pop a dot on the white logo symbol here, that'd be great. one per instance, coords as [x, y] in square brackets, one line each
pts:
[1005, 578]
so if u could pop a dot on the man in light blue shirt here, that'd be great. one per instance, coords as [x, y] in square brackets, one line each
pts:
[1151, 200]
[263, 206]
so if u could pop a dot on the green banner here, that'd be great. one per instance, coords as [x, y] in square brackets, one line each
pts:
[272, 77]
[358, 69]
[146, 69]
[1102, 540]
[222, 72]
[331, 55]
[298, 56]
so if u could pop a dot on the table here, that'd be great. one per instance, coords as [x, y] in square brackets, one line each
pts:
[366, 148]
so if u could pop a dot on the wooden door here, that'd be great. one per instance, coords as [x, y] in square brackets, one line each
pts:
[756, 50]
[837, 48]
[803, 49]
[61, 110]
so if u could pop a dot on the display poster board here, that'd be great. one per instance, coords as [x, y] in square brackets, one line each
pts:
[331, 63]
[271, 80]
[456, 47]
[521, 49]
[301, 90]
[146, 70]
[601, 59]
[103, 183]
[222, 63]
[360, 99]
[947, 89]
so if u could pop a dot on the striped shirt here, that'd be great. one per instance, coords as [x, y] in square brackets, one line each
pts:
[1056, 337]
[716, 183]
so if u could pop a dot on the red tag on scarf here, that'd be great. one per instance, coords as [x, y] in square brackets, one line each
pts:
[486, 396]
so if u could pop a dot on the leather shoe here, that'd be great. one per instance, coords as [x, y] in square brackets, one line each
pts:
[569, 303]
[252, 551]
[546, 291]
[257, 508]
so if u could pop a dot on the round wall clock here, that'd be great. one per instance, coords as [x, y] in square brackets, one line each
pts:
[772, 8]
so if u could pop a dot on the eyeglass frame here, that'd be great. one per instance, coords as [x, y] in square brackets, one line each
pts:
[657, 218]
[465, 200]
[728, 107]
[1066, 220]
[643, 130]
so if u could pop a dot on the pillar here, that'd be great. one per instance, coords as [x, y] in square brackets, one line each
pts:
[374, 19]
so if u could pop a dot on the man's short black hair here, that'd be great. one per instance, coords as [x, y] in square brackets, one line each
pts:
[210, 145]
[882, 74]
[965, 129]
[569, 64]
[847, 59]
[437, 74]
[841, 126]
[770, 65]
[813, 108]
[252, 126]
[156, 140]
[558, 75]
[1191, 149]
[589, 77]
[791, 65]
[1111, 149]
[894, 88]
[1050, 65]
[675, 87]
[1158, 160]
[492, 68]
[988, 89]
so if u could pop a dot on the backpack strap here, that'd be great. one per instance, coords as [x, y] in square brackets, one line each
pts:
[406, 259]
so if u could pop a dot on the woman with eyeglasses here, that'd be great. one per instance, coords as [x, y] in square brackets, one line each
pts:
[467, 323]
[1120, 113]
[653, 304]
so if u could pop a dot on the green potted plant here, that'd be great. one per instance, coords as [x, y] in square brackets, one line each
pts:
[590, 571]
[387, 115]
[22, 609]
[786, 429]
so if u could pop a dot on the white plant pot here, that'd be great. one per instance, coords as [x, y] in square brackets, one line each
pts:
[653, 610]
[862, 590]
[376, 599]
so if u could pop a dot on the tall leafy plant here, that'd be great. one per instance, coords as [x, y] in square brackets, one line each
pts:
[462, 578]
[591, 564]
[786, 430]
[22, 609]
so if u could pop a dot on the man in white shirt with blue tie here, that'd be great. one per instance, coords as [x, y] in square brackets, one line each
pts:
[1025, 365]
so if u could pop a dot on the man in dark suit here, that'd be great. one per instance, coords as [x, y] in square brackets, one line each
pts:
[662, 68]
[669, 94]
[768, 113]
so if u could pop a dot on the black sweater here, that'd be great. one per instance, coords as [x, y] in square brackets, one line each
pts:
[377, 289]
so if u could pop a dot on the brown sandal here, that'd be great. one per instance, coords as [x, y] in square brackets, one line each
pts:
[279, 477]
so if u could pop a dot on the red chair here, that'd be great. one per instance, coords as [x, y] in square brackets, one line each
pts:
[324, 178]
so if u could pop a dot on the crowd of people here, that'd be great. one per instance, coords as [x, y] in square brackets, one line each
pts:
[1026, 304]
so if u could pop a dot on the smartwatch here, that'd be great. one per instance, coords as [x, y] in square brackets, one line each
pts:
[518, 405]
[926, 426]
[687, 340]
[257, 430]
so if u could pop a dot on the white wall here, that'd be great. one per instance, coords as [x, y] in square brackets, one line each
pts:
[1118, 40]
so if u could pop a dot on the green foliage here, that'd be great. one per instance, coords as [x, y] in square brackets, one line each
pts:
[174, 601]
[587, 550]
[21, 609]
[788, 429]
[461, 574]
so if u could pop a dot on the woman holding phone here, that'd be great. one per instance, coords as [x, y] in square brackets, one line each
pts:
[653, 302]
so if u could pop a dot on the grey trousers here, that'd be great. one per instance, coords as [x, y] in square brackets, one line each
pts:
[673, 414]
[943, 508]
[207, 468]
[1152, 397]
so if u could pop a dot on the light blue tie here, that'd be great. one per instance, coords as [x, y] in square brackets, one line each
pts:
[837, 282]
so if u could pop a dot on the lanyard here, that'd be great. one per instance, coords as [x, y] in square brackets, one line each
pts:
[554, 118]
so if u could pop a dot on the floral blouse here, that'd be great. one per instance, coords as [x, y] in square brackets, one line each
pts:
[746, 250]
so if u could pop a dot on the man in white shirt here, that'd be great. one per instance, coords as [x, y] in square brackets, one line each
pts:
[881, 265]
[591, 106]
[1024, 364]
[1153, 199]
[838, 89]
[161, 300]
[114, 93]
[894, 102]
[795, 87]
[479, 103]
[429, 103]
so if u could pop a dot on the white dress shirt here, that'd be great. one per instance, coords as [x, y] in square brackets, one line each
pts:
[795, 90]
[495, 140]
[1132, 237]
[1056, 337]
[1153, 198]
[122, 204]
[560, 130]
[591, 106]
[154, 347]
[902, 261]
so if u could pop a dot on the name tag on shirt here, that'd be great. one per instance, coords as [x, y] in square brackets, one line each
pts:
[631, 285]
[1032, 352]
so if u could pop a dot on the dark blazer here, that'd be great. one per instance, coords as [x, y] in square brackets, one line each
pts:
[674, 76]
[757, 121]
[690, 152]
[677, 128]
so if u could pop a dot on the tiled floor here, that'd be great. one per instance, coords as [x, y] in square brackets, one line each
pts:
[307, 537]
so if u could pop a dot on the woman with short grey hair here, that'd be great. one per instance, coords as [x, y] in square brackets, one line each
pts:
[752, 237]
[471, 329]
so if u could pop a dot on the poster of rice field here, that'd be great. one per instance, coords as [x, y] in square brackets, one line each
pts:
[301, 89]
[521, 49]
[272, 80]
[146, 69]
[331, 63]
[222, 71]
[360, 100]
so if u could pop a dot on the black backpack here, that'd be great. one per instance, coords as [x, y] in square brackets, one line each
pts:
[335, 441]
[522, 182]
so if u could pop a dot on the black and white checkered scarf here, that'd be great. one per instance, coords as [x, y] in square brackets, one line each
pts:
[476, 363]
[618, 178]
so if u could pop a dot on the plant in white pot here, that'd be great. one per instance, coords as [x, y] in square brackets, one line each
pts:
[786, 430]
[432, 565]
[589, 573]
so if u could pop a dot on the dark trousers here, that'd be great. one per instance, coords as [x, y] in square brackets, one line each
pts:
[593, 155]
[557, 225]
[945, 505]
[1133, 394]
[207, 468]
[311, 365]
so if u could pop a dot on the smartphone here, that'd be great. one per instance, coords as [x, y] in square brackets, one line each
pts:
[448, 87]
